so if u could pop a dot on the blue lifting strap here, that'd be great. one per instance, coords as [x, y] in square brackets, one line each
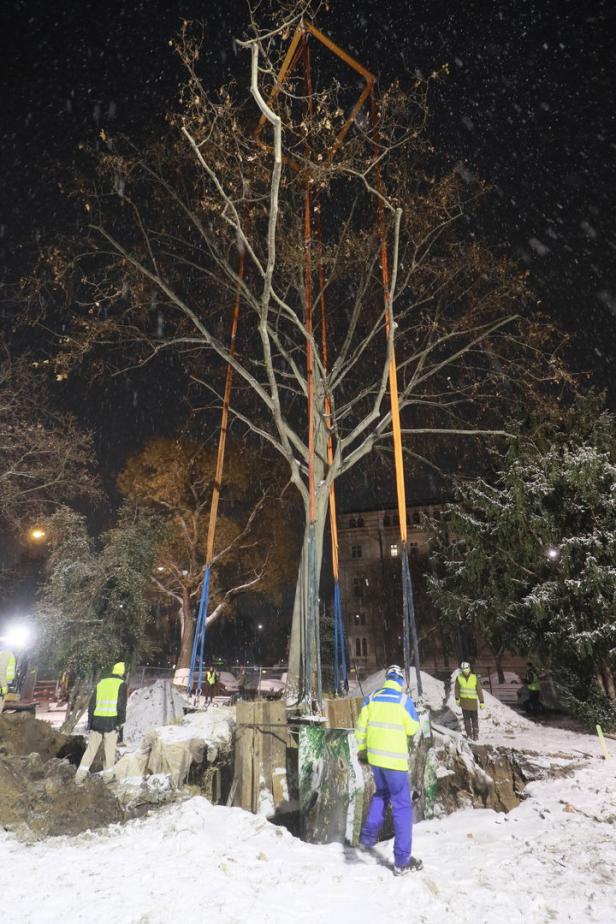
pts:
[198, 649]
[340, 667]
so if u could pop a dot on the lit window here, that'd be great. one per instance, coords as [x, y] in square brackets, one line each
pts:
[393, 550]
[356, 551]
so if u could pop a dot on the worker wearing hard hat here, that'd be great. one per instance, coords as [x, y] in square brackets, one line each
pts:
[386, 721]
[7, 673]
[469, 696]
[106, 716]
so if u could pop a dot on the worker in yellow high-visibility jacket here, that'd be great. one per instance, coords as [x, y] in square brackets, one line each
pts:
[106, 716]
[469, 696]
[7, 673]
[387, 720]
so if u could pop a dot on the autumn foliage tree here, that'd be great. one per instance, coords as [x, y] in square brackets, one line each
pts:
[255, 540]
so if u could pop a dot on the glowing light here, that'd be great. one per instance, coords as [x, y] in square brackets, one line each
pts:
[552, 553]
[17, 636]
[37, 534]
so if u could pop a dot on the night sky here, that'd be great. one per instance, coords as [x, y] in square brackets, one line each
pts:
[528, 106]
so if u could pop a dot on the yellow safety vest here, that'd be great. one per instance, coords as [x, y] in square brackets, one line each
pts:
[468, 686]
[384, 726]
[210, 678]
[534, 683]
[9, 670]
[107, 696]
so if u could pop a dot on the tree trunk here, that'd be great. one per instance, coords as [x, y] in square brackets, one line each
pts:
[187, 622]
[605, 680]
[499, 665]
[78, 700]
[300, 605]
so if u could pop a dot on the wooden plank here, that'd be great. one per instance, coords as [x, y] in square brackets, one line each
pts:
[342, 713]
[257, 755]
[244, 746]
[279, 738]
[262, 738]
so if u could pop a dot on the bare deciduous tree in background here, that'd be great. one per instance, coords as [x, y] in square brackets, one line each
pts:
[45, 458]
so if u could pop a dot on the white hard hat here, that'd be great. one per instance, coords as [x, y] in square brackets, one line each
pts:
[395, 669]
[465, 666]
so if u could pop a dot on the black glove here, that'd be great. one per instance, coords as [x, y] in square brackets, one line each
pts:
[120, 731]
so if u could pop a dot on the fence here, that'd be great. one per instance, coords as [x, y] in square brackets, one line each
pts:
[240, 682]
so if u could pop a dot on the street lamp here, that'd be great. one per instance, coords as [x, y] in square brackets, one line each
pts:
[37, 534]
[258, 628]
[552, 553]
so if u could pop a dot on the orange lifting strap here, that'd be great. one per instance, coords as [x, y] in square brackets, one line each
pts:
[222, 440]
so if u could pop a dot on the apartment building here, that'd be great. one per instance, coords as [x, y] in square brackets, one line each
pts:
[370, 583]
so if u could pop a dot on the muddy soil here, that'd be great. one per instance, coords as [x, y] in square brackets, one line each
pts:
[38, 795]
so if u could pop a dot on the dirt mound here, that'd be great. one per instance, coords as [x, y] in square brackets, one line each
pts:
[38, 795]
[22, 734]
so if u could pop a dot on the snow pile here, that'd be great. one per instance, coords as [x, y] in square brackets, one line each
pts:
[214, 726]
[479, 866]
[173, 749]
[433, 689]
[150, 707]
[211, 729]
[502, 726]
[133, 792]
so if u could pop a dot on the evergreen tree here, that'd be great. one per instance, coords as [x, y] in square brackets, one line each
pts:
[93, 608]
[529, 559]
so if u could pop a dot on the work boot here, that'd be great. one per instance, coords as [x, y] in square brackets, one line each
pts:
[366, 848]
[413, 865]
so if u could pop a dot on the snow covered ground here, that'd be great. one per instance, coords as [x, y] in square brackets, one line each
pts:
[553, 859]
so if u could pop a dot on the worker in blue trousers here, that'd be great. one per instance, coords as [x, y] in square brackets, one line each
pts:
[387, 720]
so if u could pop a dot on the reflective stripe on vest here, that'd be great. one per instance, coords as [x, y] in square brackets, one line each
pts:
[468, 686]
[384, 726]
[396, 755]
[10, 668]
[107, 697]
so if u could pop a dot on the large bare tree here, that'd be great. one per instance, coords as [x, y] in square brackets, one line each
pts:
[45, 457]
[369, 235]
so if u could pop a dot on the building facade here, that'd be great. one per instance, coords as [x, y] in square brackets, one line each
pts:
[370, 582]
[371, 598]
